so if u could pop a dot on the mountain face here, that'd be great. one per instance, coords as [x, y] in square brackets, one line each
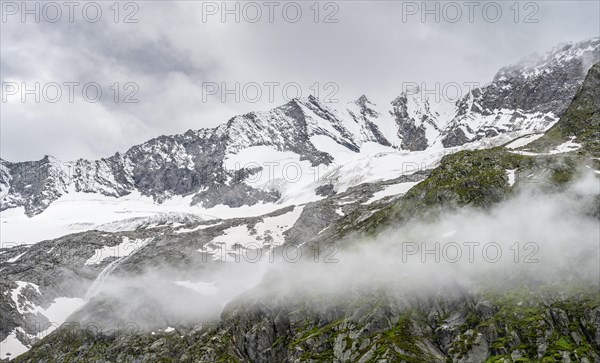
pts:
[580, 122]
[283, 318]
[115, 284]
[524, 98]
[531, 94]
[41, 277]
[187, 164]
[362, 112]
[419, 124]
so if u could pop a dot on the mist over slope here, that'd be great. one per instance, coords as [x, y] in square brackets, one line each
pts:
[534, 237]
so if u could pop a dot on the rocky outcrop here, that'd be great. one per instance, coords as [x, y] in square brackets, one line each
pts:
[366, 118]
[411, 131]
[452, 326]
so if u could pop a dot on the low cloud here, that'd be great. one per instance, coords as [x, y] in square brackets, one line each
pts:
[534, 238]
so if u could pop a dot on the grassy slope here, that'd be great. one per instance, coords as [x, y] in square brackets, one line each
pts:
[581, 120]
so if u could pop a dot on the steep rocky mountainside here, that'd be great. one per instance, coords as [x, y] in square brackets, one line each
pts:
[187, 164]
[524, 98]
[284, 319]
[529, 87]
[62, 273]
[581, 121]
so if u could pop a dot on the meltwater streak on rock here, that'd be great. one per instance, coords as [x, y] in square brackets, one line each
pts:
[100, 279]
[91, 292]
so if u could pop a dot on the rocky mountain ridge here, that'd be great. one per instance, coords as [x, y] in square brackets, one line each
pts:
[524, 98]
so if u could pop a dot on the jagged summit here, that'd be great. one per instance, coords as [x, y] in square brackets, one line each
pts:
[561, 53]
[528, 96]
[364, 101]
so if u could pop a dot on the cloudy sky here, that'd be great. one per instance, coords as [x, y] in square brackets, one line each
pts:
[162, 67]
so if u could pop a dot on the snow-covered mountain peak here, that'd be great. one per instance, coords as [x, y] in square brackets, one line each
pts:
[583, 52]
[364, 102]
[524, 98]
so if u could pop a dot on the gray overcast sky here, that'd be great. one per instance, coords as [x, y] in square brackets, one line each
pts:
[175, 48]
